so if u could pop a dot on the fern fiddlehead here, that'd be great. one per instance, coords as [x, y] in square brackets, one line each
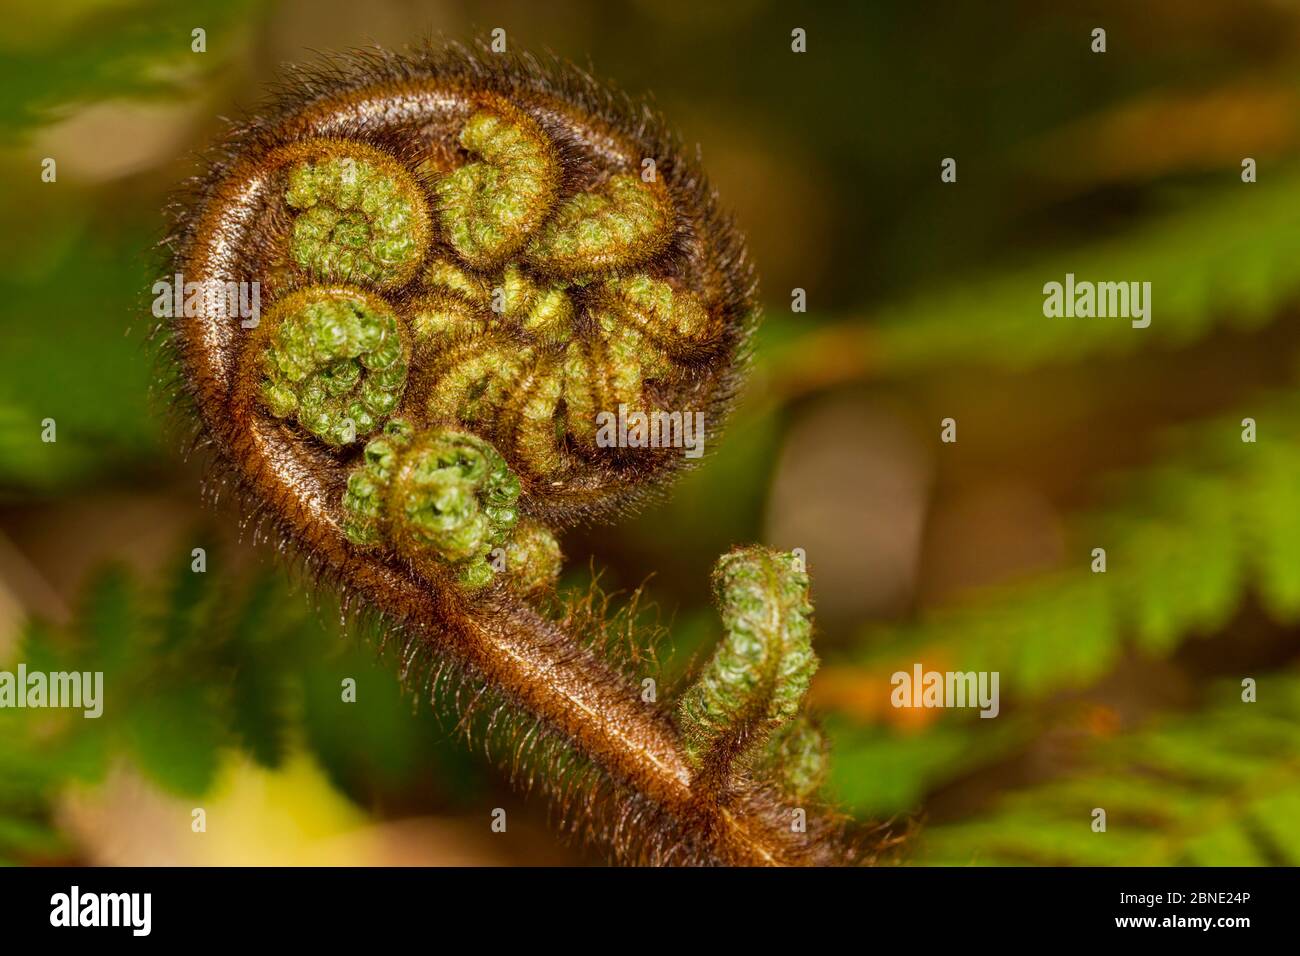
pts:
[334, 359]
[464, 267]
[754, 685]
[356, 214]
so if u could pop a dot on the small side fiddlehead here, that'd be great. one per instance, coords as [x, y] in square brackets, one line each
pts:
[746, 703]
[464, 265]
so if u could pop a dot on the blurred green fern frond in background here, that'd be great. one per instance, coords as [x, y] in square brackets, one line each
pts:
[200, 664]
[1221, 788]
[1226, 264]
[1234, 505]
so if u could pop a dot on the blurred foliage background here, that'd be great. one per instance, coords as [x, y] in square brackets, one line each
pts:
[1119, 690]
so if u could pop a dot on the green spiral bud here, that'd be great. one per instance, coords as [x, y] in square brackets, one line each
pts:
[334, 359]
[360, 216]
[757, 678]
[363, 500]
[530, 395]
[445, 498]
[533, 558]
[624, 223]
[488, 208]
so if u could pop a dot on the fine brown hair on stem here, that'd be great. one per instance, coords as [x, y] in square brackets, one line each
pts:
[462, 257]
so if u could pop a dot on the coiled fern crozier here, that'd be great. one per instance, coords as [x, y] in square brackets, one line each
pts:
[465, 257]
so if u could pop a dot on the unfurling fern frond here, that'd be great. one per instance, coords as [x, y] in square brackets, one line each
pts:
[747, 702]
[468, 262]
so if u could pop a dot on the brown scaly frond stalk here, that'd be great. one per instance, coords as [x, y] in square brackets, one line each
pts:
[463, 260]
